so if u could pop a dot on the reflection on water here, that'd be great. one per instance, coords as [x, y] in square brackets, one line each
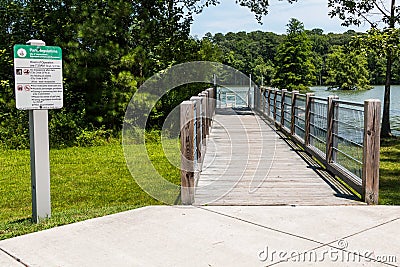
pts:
[376, 93]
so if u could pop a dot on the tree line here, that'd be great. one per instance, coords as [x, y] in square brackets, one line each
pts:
[302, 58]
[110, 47]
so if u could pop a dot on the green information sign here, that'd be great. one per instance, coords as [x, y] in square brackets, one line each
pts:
[37, 52]
[38, 77]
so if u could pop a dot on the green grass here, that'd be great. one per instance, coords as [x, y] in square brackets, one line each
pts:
[389, 193]
[389, 172]
[94, 181]
[85, 183]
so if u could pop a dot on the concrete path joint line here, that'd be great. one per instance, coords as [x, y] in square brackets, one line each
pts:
[14, 257]
[368, 229]
[321, 244]
[263, 226]
[343, 249]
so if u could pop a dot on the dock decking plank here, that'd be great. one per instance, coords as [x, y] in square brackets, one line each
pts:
[248, 163]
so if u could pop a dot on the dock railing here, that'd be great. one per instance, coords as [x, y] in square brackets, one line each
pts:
[195, 125]
[343, 136]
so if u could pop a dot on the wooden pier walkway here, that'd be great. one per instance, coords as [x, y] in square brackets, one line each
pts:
[249, 163]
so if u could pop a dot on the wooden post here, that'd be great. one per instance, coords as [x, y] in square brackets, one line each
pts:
[209, 110]
[269, 102]
[275, 94]
[214, 93]
[199, 142]
[249, 93]
[330, 129]
[256, 98]
[210, 103]
[335, 131]
[203, 118]
[292, 113]
[283, 95]
[187, 152]
[212, 106]
[219, 99]
[308, 118]
[214, 99]
[372, 128]
[263, 99]
[206, 112]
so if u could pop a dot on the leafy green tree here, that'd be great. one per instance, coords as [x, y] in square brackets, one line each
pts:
[377, 67]
[263, 71]
[347, 69]
[294, 69]
[355, 12]
[109, 49]
[241, 50]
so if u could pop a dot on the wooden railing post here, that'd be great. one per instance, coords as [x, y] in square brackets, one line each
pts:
[256, 98]
[308, 119]
[214, 99]
[219, 98]
[211, 109]
[269, 102]
[259, 98]
[203, 118]
[263, 99]
[207, 111]
[187, 152]
[330, 131]
[275, 95]
[214, 93]
[199, 131]
[292, 113]
[370, 176]
[335, 131]
[283, 95]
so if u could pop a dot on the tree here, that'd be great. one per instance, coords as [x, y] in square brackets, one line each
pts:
[294, 70]
[263, 71]
[355, 12]
[109, 48]
[347, 69]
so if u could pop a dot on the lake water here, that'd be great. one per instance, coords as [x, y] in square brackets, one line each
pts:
[376, 93]
[239, 95]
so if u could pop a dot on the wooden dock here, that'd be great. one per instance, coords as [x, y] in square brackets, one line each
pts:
[249, 163]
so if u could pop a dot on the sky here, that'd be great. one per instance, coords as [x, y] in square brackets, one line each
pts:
[230, 17]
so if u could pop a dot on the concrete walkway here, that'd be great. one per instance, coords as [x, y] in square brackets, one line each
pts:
[218, 236]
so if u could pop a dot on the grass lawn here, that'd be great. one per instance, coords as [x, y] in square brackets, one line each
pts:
[389, 193]
[94, 181]
[85, 183]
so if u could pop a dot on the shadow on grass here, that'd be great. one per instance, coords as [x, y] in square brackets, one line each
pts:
[27, 221]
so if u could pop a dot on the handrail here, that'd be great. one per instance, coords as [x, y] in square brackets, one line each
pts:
[195, 124]
[322, 127]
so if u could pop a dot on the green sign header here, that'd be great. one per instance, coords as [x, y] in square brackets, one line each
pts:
[37, 52]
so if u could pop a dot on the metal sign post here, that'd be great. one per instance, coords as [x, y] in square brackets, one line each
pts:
[40, 164]
[38, 87]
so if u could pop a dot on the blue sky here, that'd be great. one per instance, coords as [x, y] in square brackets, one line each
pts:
[230, 17]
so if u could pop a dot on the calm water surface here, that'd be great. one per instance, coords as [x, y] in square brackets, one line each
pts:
[238, 96]
[376, 93]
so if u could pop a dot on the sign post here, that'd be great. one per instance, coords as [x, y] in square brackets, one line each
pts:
[38, 87]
